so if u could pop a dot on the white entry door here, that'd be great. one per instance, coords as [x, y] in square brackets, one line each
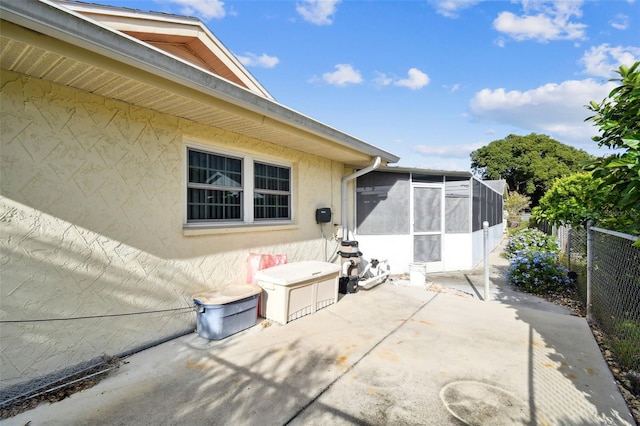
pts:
[427, 226]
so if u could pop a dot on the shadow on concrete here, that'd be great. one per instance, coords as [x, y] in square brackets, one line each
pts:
[378, 357]
[569, 382]
[473, 287]
[263, 386]
[565, 364]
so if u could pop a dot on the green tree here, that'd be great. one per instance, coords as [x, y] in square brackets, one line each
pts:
[574, 200]
[618, 117]
[529, 164]
[571, 200]
[515, 204]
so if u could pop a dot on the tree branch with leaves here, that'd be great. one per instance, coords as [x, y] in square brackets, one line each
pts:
[618, 117]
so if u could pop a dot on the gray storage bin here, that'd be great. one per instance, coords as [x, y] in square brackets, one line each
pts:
[227, 311]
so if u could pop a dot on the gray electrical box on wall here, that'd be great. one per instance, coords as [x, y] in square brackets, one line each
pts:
[323, 215]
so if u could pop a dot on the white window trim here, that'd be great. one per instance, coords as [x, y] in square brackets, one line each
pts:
[248, 223]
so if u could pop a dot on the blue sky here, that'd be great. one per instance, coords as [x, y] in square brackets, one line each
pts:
[429, 81]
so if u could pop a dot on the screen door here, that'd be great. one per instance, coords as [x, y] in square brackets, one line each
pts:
[427, 220]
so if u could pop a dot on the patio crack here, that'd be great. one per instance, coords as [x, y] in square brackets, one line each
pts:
[390, 333]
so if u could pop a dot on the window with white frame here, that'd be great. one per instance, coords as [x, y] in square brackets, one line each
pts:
[271, 192]
[227, 188]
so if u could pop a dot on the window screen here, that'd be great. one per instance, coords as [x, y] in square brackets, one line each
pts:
[214, 190]
[427, 209]
[418, 178]
[484, 204]
[457, 204]
[272, 192]
[493, 207]
[477, 206]
[487, 205]
[217, 185]
[427, 248]
[382, 203]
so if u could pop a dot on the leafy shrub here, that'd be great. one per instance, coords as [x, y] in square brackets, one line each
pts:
[521, 226]
[515, 204]
[625, 351]
[537, 272]
[531, 239]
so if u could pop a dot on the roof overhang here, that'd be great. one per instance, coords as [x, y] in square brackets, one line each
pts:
[185, 37]
[47, 41]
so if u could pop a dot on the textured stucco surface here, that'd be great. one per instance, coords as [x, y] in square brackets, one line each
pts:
[91, 219]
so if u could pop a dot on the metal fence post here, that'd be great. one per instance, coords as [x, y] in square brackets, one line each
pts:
[569, 248]
[589, 267]
[485, 234]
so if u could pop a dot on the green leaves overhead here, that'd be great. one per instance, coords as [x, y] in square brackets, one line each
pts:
[618, 117]
[609, 194]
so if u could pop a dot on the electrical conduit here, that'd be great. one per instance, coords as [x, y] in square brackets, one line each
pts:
[345, 180]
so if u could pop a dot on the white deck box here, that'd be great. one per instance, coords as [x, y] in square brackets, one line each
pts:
[297, 289]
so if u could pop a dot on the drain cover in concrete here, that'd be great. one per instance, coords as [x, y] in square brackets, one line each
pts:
[476, 403]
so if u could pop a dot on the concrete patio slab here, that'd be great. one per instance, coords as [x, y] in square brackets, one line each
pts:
[395, 354]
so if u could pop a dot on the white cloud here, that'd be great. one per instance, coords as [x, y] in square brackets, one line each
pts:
[344, 74]
[543, 21]
[205, 9]
[319, 12]
[554, 109]
[416, 80]
[253, 60]
[453, 88]
[450, 8]
[601, 61]
[621, 23]
[448, 151]
[382, 79]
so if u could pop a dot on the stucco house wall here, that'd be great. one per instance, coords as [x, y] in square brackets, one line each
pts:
[92, 214]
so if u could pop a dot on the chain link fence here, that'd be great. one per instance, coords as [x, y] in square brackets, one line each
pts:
[606, 268]
[61, 383]
[573, 250]
[615, 292]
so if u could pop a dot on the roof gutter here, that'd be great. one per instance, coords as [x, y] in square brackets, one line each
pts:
[345, 180]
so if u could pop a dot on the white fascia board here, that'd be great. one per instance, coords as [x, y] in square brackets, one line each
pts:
[230, 60]
[169, 24]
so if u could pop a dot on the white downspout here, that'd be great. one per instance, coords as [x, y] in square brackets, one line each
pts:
[372, 167]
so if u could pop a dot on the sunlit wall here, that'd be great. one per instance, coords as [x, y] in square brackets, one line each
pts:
[92, 215]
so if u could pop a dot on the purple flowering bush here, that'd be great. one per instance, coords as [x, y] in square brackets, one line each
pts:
[531, 239]
[535, 265]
